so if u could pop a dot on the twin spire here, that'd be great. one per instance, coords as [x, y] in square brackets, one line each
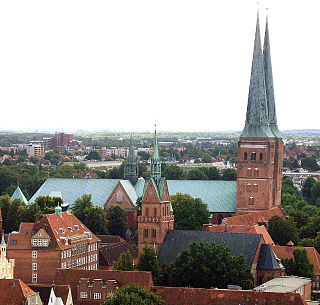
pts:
[261, 120]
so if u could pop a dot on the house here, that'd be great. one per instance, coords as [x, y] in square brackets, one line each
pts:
[58, 240]
[16, 292]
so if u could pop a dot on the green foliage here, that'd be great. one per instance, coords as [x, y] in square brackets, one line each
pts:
[172, 172]
[117, 220]
[310, 163]
[149, 262]
[306, 188]
[229, 174]
[133, 295]
[196, 174]
[93, 155]
[189, 213]
[144, 155]
[92, 217]
[300, 265]
[208, 265]
[125, 262]
[53, 157]
[282, 231]
[315, 192]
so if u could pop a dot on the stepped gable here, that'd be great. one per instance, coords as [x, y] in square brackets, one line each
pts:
[239, 243]
[199, 296]
[251, 219]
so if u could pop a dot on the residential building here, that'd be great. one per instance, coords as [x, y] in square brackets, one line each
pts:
[295, 284]
[54, 241]
[6, 265]
[260, 148]
[16, 292]
[34, 150]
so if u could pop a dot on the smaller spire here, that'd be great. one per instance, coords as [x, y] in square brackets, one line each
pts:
[58, 210]
[131, 167]
[3, 242]
[155, 162]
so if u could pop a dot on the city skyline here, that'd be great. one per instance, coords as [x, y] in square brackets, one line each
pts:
[184, 66]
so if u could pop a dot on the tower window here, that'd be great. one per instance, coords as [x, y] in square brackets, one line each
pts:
[154, 233]
[249, 172]
[167, 211]
[253, 156]
[164, 212]
[255, 188]
[249, 187]
[256, 172]
[147, 212]
[145, 233]
[261, 157]
[251, 201]
[246, 156]
[155, 212]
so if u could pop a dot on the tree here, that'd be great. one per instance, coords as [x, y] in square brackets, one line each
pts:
[189, 213]
[306, 188]
[149, 262]
[125, 262]
[144, 155]
[117, 220]
[213, 173]
[206, 157]
[208, 265]
[196, 174]
[229, 174]
[133, 295]
[92, 217]
[310, 163]
[282, 231]
[300, 265]
[315, 192]
[172, 172]
[93, 155]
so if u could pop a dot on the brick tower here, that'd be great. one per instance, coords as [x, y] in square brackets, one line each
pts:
[260, 147]
[156, 211]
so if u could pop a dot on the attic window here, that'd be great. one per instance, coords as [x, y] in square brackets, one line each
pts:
[70, 228]
[40, 234]
[13, 242]
[62, 230]
[77, 227]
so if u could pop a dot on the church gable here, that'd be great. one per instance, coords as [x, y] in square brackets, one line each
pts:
[150, 194]
[165, 193]
[119, 196]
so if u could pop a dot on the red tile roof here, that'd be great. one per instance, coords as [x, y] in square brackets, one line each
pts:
[198, 296]
[255, 218]
[14, 292]
[283, 252]
[255, 229]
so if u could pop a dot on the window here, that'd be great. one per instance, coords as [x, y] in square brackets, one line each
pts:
[40, 242]
[249, 172]
[246, 156]
[167, 210]
[145, 233]
[249, 187]
[35, 242]
[13, 242]
[34, 266]
[163, 211]
[147, 212]
[256, 172]
[251, 201]
[34, 278]
[97, 295]
[253, 156]
[119, 196]
[261, 157]
[45, 243]
[155, 212]
[154, 233]
[255, 188]
[34, 254]
[83, 295]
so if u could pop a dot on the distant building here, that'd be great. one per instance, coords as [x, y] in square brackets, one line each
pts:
[34, 150]
[60, 295]
[6, 265]
[54, 241]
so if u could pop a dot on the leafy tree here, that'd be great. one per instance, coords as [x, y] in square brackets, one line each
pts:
[229, 174]
[306, 188]
[213, 173]
[125, 262]
[206, 157]
[310, 163]
[143, 170]
[208, 265]
[299, 217]
[80, 166]
[189, 213]
[144, 155]
[300, 265]
[93, 155]
[47, 201]
[315, 192]
[117, 220]
[149, 262]
[282, 231]
[133, 295]
[196, 174]
[172, 172]
[53, 157]
[310, 229]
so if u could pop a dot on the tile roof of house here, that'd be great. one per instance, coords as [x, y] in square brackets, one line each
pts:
[14, 291]
[111, 252]
[176, 241]
[255, 218]
[287, 252]
[268, 260]
[220, 196]
[19, 195]
[45, 290]
[64, 232]
[199, 296]
[255, 229]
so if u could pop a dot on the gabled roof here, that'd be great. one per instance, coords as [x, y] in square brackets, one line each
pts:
[19, 195]
[111, 252]
[267, 259]
[176, 241]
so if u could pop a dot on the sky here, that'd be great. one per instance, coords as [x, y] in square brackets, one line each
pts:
[126, 65]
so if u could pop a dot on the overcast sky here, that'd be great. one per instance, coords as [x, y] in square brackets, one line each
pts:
[124, 65]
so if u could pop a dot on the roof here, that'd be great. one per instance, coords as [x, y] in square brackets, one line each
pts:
[19, 195]
[14, 291]
[285, 252]
[111, 252]
[220, 196]
[284, 284]
[255, 229]
[268, 260]
[255, 217]
[176, 241]
[72, 276]
[45, 290]
[199, 296]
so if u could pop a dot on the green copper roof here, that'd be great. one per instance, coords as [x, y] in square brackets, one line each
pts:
[19, 195]
[220, 196]
[155, 171]
[269, 84]
[257, 125]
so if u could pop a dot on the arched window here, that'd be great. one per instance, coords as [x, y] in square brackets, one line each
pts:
[145, 233]
[249, 172]
[256, 172]
[119, 196]
[249, 187]
[253, 156]
[255, 188]
[147, 212]
[246, 156]
[261, 157]
[154, 233]
[251, 201]
[155, 212]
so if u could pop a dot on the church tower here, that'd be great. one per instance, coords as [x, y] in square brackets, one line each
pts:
[131, 168]
[6, 266]
[260, 147]
[156, 211]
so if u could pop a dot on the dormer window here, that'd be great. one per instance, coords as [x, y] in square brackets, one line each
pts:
[77, 227]
[69, 228]
[62, 230]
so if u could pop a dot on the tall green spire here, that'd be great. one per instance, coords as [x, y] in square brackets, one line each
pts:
[131, 168]
[257, 124]
[269, 84]
[155, 162]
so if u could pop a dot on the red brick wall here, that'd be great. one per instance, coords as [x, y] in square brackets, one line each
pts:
[267, 275]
